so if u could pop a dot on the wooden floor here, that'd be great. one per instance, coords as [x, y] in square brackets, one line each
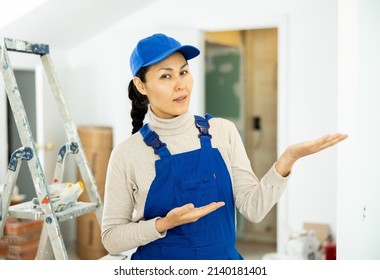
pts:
[252, 250]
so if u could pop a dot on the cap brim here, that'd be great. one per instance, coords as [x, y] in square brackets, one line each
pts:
[188, 52]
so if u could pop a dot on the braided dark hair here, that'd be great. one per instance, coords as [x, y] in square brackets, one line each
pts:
[139, 102]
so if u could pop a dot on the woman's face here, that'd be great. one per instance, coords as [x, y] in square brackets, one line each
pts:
[168, 86]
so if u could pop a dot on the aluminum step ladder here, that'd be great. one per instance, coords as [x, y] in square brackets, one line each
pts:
[51, 241]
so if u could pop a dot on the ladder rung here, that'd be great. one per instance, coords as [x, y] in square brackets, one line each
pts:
[25, 46]
[27, 210]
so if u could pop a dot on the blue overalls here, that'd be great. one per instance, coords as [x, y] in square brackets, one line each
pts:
[199, 177]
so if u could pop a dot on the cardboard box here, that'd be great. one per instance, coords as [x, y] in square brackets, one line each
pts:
[97, 144]
[321, 230]
[89, 245]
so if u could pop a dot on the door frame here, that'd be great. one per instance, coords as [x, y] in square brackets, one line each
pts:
[3, 134]
[281, 23]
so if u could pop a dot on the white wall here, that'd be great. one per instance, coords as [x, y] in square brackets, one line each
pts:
[368, 133]
[99, 74]
[98, 77]
[358, 188]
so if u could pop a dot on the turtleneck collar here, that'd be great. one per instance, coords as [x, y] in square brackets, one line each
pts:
[174, 126]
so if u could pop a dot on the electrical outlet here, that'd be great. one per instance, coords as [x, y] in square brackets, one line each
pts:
[256, 123]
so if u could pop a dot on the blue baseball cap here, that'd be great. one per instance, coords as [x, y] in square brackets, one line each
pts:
[155, 48]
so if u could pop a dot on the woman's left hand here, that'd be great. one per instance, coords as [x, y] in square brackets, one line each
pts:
[302, 149]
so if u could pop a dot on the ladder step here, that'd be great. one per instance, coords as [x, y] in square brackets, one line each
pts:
[25, 46]
[27, 210]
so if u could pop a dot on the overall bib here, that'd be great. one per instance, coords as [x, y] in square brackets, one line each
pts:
[199, 177]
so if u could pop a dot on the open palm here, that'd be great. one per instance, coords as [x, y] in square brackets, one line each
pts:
[309, 147]
[305, 148]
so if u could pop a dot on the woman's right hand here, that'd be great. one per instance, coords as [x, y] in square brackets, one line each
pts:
[184, 215]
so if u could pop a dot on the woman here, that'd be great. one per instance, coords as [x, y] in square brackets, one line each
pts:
[172, 187]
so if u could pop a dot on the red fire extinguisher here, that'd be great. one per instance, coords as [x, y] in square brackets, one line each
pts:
[329, 248]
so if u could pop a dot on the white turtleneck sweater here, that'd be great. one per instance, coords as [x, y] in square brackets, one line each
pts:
[131, 170]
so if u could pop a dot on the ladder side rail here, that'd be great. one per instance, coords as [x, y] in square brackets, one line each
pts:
[34, 163]
[45, 250]
[73, 136]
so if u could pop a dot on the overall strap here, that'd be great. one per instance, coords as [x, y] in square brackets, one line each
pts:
[203, 125]
[152, 139]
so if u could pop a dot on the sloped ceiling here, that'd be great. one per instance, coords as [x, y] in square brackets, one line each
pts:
[66, 23]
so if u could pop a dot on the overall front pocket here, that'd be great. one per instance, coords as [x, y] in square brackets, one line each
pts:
[200, 192]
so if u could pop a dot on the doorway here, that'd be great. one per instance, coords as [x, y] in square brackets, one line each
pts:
[26, 82]
[241, 85]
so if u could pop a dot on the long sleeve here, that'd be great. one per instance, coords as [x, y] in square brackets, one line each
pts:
[253, 197]
[122, 229]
